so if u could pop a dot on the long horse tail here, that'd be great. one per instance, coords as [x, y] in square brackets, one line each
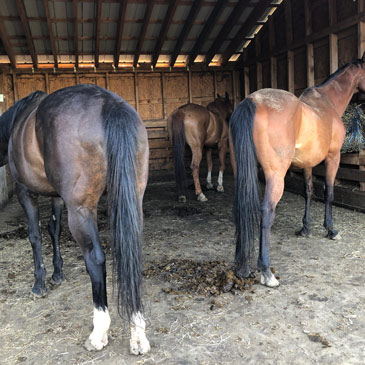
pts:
[178, 144]
[126, 219]
[247, 204]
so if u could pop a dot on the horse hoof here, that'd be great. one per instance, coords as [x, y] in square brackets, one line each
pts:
[220, 188]
[39, 293]
[202, 198]
[244, 273]
[304, 233]
[210, 186]
[140, 347]
[182, 199]
[91, 345]
[333, 235]
[57, 280]
[268, 279]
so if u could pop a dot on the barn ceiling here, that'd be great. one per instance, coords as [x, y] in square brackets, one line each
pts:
[129, 33]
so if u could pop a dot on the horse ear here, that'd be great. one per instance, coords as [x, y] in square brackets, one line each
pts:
[218, 96]
[227, 96]
[363, 57]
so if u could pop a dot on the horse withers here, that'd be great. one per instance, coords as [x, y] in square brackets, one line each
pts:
[199, 127]
[277, 129]
[71, 146]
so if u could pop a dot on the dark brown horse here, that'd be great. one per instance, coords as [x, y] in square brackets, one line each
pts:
[71, 145]
[277, 129]
[199, 127]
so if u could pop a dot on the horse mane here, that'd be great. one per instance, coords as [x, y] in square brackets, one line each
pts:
[356, 62]
[8, 118]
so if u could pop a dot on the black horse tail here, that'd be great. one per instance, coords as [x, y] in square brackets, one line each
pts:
[247, 204]
[178, 144]
[121, 131]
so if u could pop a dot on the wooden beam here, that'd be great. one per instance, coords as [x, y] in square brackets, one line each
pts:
[245, 29]
[27, 32]
[50, 32]
[310, 65]
[194, 10]
[76, 32]
[190, 96]
[333, 44]
[142, 33]
[259, 75]
[246, 80]
[291, 85]
[361, 38]
[332, 12]
[97, 33]
[274, 72]
[288, 22]
[8, 48]
[121, 18]
[231, 21]
[164, 29]
[206, 30]
[308, 18]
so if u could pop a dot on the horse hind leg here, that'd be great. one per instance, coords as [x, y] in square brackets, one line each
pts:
[82, 223]
[54, 229]
[306, 231]
[195, 165]
[210, 168]
[30, 205]
[222, 150]
[331, 171]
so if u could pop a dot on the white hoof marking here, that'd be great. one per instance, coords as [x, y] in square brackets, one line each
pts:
[209, 186]
[269, 280]
[202, 198]
[220, 188]
[182, 199]
[138, 343]
[99, 336]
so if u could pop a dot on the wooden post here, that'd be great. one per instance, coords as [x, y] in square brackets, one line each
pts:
[288, 23]
[361, 38]
[15, 86]
[215, 83]
[308, 18]
[246, 80]
[189, 87]
[310, 65]
[274, 72]
[333, 53]
[259, 75]
[234, 88]
[46, 80]
[136, 92]
[107, 80]
[332, 11]
[163, 95]
[291, 84]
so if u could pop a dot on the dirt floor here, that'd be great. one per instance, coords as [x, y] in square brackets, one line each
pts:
[196, 314]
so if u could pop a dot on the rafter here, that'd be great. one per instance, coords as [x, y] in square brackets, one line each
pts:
[118, 44]
[245, 29]
[50, 32]
[27, 32]
[142, 34]
[8, 48]
[206, 30]
[164, 29]
[76, 32]
[194, 10]
[97, 34]
[231, 21]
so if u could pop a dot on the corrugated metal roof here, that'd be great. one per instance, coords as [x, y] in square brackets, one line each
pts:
[191, 17]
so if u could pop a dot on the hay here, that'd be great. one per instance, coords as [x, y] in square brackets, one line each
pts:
[354, 121]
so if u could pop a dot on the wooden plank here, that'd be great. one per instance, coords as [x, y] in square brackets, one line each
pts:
[259, 75]
[50, 32]
[162, 123]
[361, 38]
[118, 43]
[157, 133]
[291, 84]
[159, 143]
[342, 173]
[161, 153]
[246, 80]
[350, 158]
[97, 32]
[76, 33]
[310, 65]
[288, 22]
[333, 44]
[274, 72]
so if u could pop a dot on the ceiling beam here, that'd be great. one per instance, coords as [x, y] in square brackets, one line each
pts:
[206, 30]
[245, 29]
[118, 44]
[76, 32]
[164, 29]
[97, 34]
[27, 32]
[142, 34]
[50, 32]
[8, 48]
[223, 34]
[194, 10]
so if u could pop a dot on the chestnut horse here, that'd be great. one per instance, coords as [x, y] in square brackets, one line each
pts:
[277, 129]
[199, 127]
[70, 146]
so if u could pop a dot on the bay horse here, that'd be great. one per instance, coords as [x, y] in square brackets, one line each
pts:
[277, 129]
[199, 127]
[71, 146]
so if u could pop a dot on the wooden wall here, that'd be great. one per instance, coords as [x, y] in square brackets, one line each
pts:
[303, 42]
[153, 94]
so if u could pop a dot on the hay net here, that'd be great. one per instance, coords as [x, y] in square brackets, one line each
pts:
[354, 121]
